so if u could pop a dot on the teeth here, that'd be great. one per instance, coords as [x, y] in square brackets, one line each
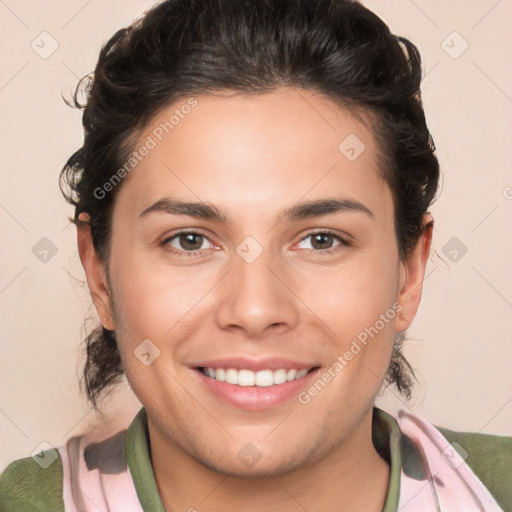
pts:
[245, 378]
[231, 376]
[279, 376]
[291, 374]
[263, 378]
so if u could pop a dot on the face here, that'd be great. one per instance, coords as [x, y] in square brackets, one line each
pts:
[286, 259]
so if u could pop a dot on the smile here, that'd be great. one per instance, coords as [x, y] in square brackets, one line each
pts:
[263, 378]
[255, 390]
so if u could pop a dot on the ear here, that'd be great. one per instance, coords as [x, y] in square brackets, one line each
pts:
[412, 273]
[94, 270]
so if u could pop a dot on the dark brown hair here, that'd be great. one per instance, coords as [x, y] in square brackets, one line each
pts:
[187, 47]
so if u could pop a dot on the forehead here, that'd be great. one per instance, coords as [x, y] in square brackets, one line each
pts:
[256, 151]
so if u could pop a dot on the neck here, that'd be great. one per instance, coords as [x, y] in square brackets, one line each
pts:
[353, 476]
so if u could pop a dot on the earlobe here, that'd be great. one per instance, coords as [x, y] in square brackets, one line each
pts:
[94, 271]
[412, 274]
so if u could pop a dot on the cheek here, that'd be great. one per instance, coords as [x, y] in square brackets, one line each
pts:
[360, 309]
[155, 300]
[355, 295]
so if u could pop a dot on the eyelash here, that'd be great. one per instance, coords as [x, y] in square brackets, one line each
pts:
[343, 243]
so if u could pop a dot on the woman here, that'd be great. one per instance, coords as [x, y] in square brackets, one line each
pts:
[251, 203]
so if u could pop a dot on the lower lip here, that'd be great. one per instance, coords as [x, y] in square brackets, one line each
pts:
[255, 398]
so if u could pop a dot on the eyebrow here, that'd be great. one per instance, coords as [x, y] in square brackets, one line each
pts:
[300, 211]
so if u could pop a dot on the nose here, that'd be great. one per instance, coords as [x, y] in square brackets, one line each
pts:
[257, 297]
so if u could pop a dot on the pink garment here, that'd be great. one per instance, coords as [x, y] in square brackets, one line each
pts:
[452, 485]
[87, 490]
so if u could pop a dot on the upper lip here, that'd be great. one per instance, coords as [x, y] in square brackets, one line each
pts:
[244, 363]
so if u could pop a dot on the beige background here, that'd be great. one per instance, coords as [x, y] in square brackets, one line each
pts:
[461, 340]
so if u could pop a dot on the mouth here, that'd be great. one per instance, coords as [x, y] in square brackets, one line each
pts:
[255, 390]
[263, 378]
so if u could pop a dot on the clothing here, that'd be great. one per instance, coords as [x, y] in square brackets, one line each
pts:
[115, 474]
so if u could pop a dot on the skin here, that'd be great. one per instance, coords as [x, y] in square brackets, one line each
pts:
[252, 157]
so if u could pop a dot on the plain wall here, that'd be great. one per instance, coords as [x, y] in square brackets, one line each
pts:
[460, 342]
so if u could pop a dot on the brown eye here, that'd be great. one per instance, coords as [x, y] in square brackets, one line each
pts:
[186, 241]
[322, 240]
[325, 242]
[190, 241]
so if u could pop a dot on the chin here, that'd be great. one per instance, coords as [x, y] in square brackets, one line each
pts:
[259, 470]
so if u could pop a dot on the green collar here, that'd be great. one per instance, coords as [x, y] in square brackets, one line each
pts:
[385, 437]
[139, 463]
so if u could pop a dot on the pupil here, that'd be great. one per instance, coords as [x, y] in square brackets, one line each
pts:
[322, 237]
[188, 243]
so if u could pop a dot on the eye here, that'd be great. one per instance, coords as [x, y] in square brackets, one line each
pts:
[322, 242]
[193, 243]
[186, 242]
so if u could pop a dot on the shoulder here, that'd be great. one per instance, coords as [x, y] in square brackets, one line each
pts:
[27, 485]
[489, 457]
